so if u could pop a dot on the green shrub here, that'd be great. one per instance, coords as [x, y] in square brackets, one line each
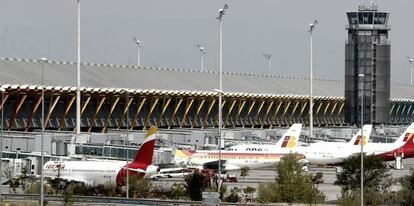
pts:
[177, 191]
[267, 192]
[233, 197]
[195, 185]
[291, 185]
[407, 189]
[139, 187]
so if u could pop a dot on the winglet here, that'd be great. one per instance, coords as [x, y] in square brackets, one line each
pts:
[291, 138]
[146, 150]
[356, 139]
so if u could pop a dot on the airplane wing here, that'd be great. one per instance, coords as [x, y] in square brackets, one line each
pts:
[214, 164]
[167, 170]
[76, 179]
[135, 170]
[170, 175]
[70, 179]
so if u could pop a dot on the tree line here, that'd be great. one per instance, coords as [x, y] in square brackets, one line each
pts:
[291, 185]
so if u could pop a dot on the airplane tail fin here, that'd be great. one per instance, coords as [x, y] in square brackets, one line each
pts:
[408, 134]
[181, 153]
[146, 150]
[356, 139]
[291, 138]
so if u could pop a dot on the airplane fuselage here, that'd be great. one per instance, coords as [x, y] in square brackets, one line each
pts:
[93, 172]
[334, 155]
[234, 160]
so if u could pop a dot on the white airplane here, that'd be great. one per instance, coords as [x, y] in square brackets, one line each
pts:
[176, 172]
[285, 144]
[99, 172]
[325, 153]
[355, 140]
[403, 146]
[252, 156]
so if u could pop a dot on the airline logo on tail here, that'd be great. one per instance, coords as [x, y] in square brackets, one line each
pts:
[290, 138]
[289, 142]
[142, 160]
[358, 140]
[146, 150]
[180, 153]
[407, 135]
[367, 133]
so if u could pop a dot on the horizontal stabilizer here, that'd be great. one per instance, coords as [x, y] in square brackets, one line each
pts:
[135, 170]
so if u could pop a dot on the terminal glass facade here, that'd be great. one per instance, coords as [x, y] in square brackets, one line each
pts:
[105, 151]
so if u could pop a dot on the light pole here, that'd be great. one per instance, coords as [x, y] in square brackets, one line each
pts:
[43, 60]
[78, 84]
[2, 136]
[410, 61]
[361, 77]
[311, 28]
[127, 140]
[139, 45]
[269, 61]
[202, 52]
[220, 124]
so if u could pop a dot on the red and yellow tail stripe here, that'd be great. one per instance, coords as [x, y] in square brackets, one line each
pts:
[289, 142]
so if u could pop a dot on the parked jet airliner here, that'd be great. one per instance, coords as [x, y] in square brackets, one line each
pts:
[237, 157]
[333, 152]
[316, 153]
[355, 140]
[403, 146]
[98, 172]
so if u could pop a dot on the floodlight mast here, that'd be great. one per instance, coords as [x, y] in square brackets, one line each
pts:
[269, 61]
[202, 52]
[139, 45]
[410, 61]
[361, 77]
[311, 28]
[220, 124]
[43, 61]
[2, 90]
[78, 78]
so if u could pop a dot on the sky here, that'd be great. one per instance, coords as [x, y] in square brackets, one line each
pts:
[170, 30]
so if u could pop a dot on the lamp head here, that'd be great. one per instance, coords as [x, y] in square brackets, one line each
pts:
[202, 49]
[222, 11]
[226, 6]
[313, 25]
[43, 59]
[267, 56]
[136, 41]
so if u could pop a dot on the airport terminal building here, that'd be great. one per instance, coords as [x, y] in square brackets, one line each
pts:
[171, 98]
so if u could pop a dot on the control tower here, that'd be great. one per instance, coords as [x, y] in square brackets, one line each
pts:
[368, 52]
